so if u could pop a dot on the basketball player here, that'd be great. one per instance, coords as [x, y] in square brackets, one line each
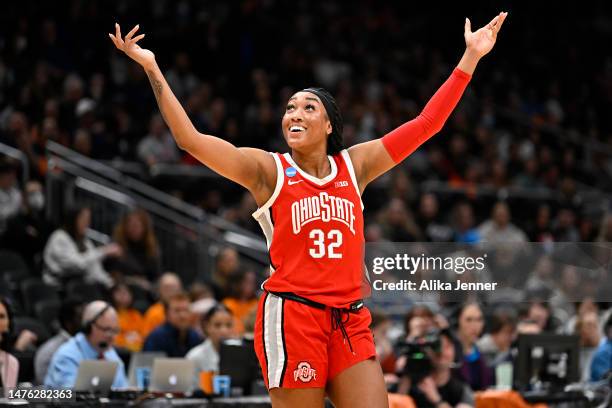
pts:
[311, 336]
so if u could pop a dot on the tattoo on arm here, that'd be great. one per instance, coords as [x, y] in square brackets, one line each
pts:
[156, 84]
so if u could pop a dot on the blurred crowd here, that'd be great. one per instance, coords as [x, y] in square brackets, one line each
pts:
[533, 119]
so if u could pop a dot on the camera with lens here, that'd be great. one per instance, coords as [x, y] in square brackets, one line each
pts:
[418, 353]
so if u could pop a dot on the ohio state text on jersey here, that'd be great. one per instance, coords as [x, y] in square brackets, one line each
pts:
[314, 231]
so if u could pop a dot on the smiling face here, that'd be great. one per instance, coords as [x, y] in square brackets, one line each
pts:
[305, 122]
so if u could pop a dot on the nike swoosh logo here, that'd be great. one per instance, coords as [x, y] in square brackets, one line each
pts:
[292, 182]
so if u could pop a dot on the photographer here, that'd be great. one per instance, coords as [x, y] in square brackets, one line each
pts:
[427, 375]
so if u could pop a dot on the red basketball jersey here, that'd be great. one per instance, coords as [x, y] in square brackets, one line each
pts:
[314, 232]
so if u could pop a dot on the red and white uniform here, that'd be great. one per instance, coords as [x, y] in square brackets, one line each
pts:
[314, 231]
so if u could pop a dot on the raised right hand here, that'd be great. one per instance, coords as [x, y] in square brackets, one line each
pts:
[129, 45]
[112, 250]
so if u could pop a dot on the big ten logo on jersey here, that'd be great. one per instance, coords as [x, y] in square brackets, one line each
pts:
[324, 207]
[339, 184]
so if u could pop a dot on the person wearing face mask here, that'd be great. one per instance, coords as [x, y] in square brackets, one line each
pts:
[27, 232]
[93, 342]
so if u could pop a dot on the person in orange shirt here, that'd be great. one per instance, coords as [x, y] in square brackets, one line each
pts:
[168, 285]
[131, 322]
[242, 299]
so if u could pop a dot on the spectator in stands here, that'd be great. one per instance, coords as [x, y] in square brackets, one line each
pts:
[70, 314]
[242, 298]
[605, 231]
[542, 277]
[429, 220]
[139, 262]
[441, 388]
[418, 321]
[10, 365]
[498, 229]
[587, 328]
[95, 342]
[569, 288]
[540, 229]
[69, 254]
[131, 321]
[28, 232]
[217, 325]
[159, 145]
[564, 226]
[202, 299]
[474, 370]
[168, 285]
[10, 196]
[226, 265]
[463, 220]
[398, 222]
[495, 345]
[539, 312]
[175, 337]
[601, 363]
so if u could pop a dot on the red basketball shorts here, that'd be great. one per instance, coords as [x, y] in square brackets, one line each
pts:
[298, 346]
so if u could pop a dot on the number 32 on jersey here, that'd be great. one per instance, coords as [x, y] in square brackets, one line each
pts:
[326, 244]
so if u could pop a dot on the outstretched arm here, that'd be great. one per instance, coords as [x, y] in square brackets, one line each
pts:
[371, 159]
[251, 168]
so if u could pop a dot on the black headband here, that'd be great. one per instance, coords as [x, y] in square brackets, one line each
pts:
[330, 107]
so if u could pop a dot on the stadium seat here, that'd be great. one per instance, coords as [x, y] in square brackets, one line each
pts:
[47, 311]
[27, 323]
[12, 270]
[10, 260]
[86, 291]
[34, 290]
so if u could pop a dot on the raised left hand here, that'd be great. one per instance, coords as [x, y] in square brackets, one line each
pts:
[481, 41]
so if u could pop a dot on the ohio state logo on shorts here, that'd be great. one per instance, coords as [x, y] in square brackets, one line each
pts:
[304, 372]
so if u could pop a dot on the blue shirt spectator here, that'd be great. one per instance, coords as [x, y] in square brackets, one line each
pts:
[166, 338]
[602, 360]
[95, 342]
[175, 337]
[62, 372]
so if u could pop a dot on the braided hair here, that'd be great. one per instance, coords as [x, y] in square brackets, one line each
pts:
[335, 143]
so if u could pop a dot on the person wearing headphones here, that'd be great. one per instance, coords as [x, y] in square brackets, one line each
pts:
[9, 365]
[94, 342]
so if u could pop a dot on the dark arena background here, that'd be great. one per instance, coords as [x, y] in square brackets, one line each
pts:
[525, 160]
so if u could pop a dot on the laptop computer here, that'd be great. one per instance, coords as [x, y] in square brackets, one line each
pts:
[142, 360]
[96, 376]
[172, 375]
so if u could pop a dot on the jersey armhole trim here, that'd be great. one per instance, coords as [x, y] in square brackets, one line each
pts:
[351, 170]
[280, 178]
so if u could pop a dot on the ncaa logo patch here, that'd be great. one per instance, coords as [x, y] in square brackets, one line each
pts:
[304, 372]
[290, 171]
